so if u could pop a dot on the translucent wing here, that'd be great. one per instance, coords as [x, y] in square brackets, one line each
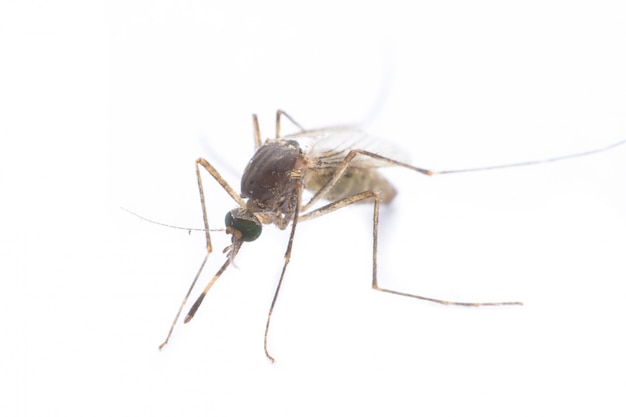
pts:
[328, 147]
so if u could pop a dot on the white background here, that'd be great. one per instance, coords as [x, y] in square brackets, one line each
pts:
[108, 105]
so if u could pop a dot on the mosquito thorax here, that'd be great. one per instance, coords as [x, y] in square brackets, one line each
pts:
[268, 179]
[242, 224]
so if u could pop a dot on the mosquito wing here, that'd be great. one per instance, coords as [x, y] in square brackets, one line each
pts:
[328, 147]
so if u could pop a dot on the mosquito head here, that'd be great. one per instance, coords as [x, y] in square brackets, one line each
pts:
[243, 225]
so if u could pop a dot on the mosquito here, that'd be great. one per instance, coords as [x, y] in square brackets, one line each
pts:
[337, 164]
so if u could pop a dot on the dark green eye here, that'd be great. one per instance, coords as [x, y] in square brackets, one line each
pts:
[245, 223]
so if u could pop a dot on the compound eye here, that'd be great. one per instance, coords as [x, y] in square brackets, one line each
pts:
[245, 223]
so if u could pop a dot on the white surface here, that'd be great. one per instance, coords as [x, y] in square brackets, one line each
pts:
[108, 106]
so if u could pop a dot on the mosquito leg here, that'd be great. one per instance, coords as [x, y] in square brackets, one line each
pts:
[456, 303]
[371, 194]
[182, 305]
[205, 218]
[419, 297]
[336, 205]
[280, 113]
[282, 274]
[341, 168]
[536, 161]
[257, 132]
[222, 182]
[352, 154]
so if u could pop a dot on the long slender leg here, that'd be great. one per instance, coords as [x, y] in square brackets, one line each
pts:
[257, 132]
[180, 309]
[339, 204]
[224, 184]
[352, 154]
[371, 194]
[294, 223]
[280, 113]
[534, 162]
[341, 168]
[220, 180]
